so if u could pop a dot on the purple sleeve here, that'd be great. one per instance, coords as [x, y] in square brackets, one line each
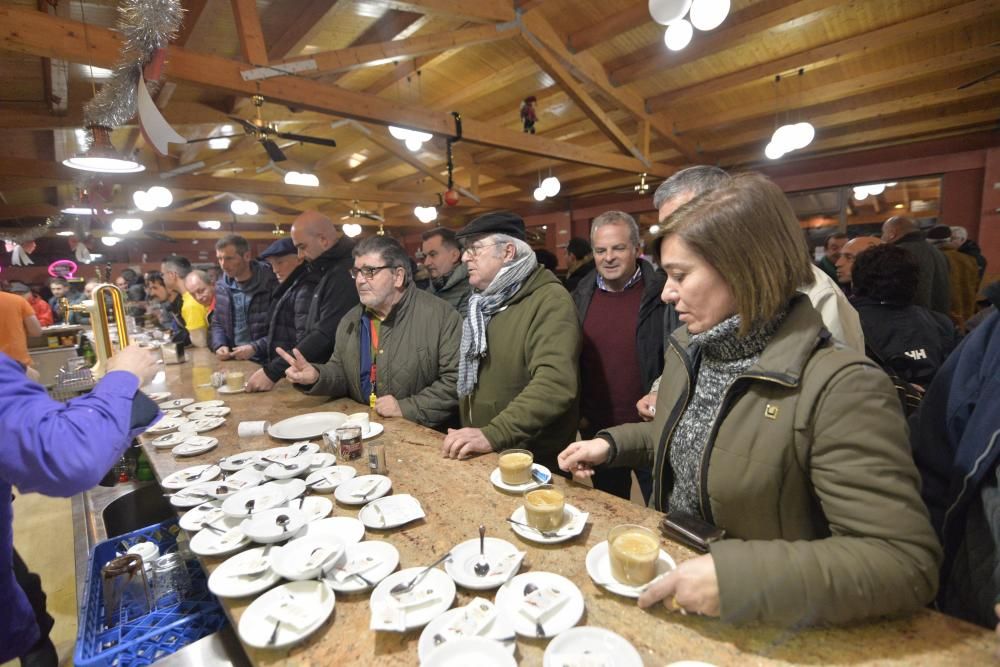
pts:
[61, 449]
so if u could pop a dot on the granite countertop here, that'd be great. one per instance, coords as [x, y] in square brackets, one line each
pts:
[458, 496]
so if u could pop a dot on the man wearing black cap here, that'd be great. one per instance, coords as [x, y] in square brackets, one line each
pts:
[518, 380]
[289, 311]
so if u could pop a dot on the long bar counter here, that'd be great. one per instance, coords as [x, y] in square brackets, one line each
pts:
[457, 496]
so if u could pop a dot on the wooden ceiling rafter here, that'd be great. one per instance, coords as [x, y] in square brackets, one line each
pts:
[480, 11]
[250, 32]
[310, 15]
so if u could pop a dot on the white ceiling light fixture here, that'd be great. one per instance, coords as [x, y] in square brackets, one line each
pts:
[122, 226]
[413, 139]
[678, 35]
[65, 232]
[539, 194]
[654, 229]
[161, 196]
[102, 157]
[143, 201]
[772, 151]
[219, 143]
[110, 241]
[550, 186]
[666, 12]
[426, 214]
[244, 207]
[351, 230]
[708, 14]
[209, 224]
[84, 210]
[301, 178]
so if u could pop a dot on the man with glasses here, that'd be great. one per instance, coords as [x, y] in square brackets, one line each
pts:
[397, 350]
[518, 377]
[449, 278]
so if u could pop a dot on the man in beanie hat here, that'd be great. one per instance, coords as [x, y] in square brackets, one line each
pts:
[518, 374]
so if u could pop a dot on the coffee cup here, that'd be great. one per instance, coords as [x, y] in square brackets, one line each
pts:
[361, 419]
[515, 466]
[633, 551]
[235, 380]
[544, 507]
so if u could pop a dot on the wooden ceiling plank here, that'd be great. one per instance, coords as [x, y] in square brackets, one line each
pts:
[621, 21]
[914, 29]
[193, 11]
[492, 82]
[250, 32]
[307, 22]
[480, 11]
[386, 28]
[55, 71]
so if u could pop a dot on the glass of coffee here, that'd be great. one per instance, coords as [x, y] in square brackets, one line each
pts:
[235, 380]
[544, 507]
[349, 441]
[633, 551]
[515, 466]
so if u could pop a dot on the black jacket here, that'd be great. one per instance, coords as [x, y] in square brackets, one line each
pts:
[332, 297]
[258, 290]
[582, 271]
[912, 340]
[656, 319]
[289, 311]
[933, 285]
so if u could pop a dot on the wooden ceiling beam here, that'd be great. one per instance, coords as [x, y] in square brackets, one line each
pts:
[915, 29]
[380, 137]
[308, 19]
[618, 22]
[480, 11]
[193, 10]
[251, 34]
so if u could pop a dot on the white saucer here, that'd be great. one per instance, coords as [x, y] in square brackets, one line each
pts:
[226, 583]
[293, 561]
[391, 512]
[194, 518]
[385, 559]
[334, 476]
[158, 396]
[194, 495]
[169, 441]
[207, 542]
[226, 390]
[302, 448]
[311, 597]
[201, 405]
[498, 628]
[196, 425]
[263, 526]
[574, 521]
[309, 425]
[190, 476]
[166, 425]
[342, 528]
[478, 651]
[536, 468]
[577, 645]
[599, 569]
[175, 403]
[347, 492]
[415, 617]
[373, 429]
[511, 595]
[239, 461]
[322, 460]
[315, 508]
[222, 411]
[292, 488]
[253, 477]
[195, 445]
[460, 566]
[172, 413]
[295, 467]
[265, 497]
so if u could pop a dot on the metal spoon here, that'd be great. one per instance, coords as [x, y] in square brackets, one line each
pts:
[249, 506]
[274, 633]
[401, 588]
[530, 588]
[482, 566]
[283, 520]
[286, 466]
[544, 533]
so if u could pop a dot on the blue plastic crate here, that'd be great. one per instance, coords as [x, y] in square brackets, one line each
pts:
[147, 638]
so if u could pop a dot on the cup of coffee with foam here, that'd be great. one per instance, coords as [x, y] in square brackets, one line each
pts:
[515, 466]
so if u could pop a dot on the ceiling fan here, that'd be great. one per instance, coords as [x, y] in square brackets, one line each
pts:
[358, 212]
[259, 129]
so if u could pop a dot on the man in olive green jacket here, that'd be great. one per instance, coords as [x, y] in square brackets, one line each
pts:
[518, 374]
[415, 346]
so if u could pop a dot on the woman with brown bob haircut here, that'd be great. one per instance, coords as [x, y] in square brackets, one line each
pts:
[796, 448]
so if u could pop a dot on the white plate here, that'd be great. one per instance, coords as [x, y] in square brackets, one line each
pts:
[201, 425]
[263, 526]
[496, 629]
[574, 521]
[510, 596]
[223, 488]
[173, 413]
[175, 404]
[391, 512]
[265, 497]
[334, 476]
[537, 468]
[322, 460]
[580, 644]
[239, 461]
[254, 477]
[211, 412]
[192, 496]
[195, 445]
[478, 651]
[158, 396]
[190, 476]
[169, 441]
[599, 569]
[293, 488]
[347, 492]
[303, 427]
[194, 407]
[257, 624]
[288, 468]
[224, 583]
[194, 518]
[435, 580]
[166, 425]
[291, 561]
[343, 528]
[226, 390]
[385, 558]
[209, 543]
[372, 430]
[314, 508]
[460, 566]
[302, 448]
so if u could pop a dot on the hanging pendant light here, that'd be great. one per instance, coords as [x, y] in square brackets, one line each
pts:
[102, 156]
[666, 12]
[708, 14]
[678, 35]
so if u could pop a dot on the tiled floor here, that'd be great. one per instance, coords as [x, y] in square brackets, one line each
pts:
[43, 535]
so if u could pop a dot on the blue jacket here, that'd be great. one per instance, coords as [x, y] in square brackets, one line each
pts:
[59, 449]
[258, 289]
[955, 435]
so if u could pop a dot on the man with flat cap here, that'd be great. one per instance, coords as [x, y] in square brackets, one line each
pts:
[290, 304]
[518, 375]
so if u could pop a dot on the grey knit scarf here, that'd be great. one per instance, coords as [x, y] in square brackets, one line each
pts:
[724, 356]
[482, 306]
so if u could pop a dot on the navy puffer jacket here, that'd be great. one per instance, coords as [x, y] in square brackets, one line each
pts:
[259, 289]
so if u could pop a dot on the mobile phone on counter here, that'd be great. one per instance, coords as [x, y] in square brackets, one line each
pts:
[694, 533]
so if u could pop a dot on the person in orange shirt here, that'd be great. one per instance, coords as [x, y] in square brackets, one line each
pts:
[17, 323]
[42, 309]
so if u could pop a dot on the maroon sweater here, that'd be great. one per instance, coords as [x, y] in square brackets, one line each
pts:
[609, 365]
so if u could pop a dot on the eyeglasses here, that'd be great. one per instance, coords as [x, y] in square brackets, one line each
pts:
[367, 271]
[476, 248]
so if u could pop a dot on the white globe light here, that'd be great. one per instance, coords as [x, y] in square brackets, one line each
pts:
[236, 206]
[876, 189]
[678, 35]
[709, 14]
[251, 208]
[309, 180]
[773, 151]
[352, 230]
[291, 178]
[161, 196]
[413, 144]
[110, 240]
[398, 133]
[209, 224]
[550, 186]
[432, 213]
[860, 193]
[135, 224]
[143, 201]
[784, 138]
[803, 134]
[655, 229]
[665, 12]
[120, 226]
[539, 194]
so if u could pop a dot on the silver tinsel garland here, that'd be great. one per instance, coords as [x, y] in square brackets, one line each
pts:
[146, 25]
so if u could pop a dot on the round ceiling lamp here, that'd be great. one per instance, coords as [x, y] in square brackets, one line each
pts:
[666, 12]
[708, 14]
[678, 35]
[110, 241]
[773, 151]
[102, 156]
[160, 196]
[550, 186]
[539, 194]
[143, 201]
[352, 230]
[803, 134]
